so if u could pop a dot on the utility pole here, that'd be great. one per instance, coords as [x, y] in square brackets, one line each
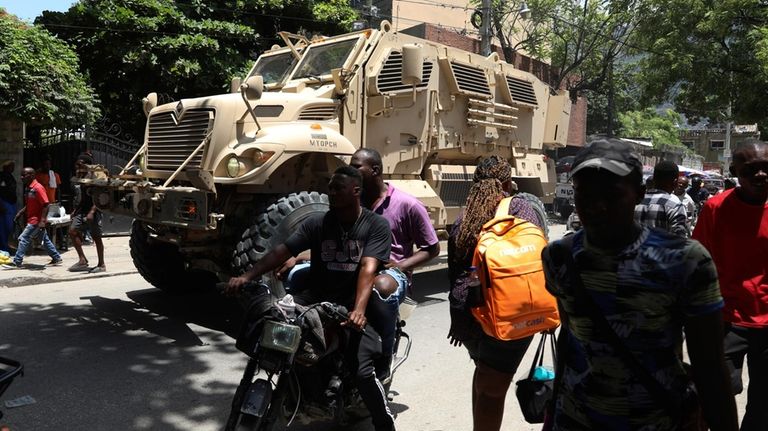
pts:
[485, 29]
[727, 149]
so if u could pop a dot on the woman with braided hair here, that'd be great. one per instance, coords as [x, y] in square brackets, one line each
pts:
[495, 360]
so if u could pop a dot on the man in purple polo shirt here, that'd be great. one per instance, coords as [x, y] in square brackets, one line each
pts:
[410, 226]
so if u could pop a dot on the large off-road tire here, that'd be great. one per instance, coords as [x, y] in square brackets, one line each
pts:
[158, 262]
[272, 226]
[538, 207]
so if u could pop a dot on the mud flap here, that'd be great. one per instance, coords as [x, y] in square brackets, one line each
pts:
[257, 399]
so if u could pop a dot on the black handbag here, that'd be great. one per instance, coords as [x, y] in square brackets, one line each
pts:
[535, 395]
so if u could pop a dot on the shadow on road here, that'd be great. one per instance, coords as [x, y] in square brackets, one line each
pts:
[430, 283]
[154, 362]
[206, 308]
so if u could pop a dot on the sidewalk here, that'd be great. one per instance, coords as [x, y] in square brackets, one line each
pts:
[119, 262]
[117, 257]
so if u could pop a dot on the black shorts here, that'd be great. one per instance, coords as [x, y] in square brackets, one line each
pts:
[79, 223]
[502, 356]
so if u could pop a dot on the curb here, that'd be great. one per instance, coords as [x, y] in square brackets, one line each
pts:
[32, 280]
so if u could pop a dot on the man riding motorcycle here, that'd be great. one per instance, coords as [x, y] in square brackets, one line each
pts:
[349, 245]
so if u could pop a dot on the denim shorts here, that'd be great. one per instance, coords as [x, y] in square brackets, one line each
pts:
[402, 285]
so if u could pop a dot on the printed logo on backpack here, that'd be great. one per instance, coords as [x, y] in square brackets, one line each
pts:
[508, 259]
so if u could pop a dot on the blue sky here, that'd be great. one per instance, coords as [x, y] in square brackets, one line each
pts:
[28, 10]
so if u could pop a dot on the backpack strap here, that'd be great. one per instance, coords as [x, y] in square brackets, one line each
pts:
[503, 209]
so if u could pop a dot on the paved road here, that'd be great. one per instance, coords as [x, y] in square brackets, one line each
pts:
[116, 354]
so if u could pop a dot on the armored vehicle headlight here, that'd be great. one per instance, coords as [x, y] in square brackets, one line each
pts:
[233, 167]
[261, 157]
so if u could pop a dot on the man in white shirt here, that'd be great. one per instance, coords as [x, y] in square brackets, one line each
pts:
[687, 201]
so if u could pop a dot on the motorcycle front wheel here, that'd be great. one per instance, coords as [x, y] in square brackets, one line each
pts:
[276, 418]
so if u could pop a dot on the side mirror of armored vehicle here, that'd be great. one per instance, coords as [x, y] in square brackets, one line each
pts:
[253, 87]
[149, 102]
[413, 64]
[234, 85]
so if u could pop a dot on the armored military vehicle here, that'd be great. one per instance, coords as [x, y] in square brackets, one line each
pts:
[224, 177]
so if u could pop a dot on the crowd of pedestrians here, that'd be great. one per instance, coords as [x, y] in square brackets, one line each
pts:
[41, 190]
[634, 284]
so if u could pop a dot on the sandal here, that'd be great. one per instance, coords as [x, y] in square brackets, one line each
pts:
[97, 269]
[79, 267]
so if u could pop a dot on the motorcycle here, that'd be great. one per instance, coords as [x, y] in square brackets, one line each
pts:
[296, 370]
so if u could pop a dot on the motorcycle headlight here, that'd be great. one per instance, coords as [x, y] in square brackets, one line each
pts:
[281, 337]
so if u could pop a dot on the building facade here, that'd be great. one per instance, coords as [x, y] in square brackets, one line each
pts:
[710, 142]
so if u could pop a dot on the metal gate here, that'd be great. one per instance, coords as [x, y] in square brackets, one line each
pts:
[64, 146]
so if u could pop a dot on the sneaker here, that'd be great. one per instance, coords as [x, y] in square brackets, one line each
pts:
[55, 262]
[10, 266]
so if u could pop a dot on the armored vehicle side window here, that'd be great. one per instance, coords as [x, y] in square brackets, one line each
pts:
[319, 60]
[274, 68]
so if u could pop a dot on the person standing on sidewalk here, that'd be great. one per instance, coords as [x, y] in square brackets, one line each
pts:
[36, 208]
[7, 202]
[86, 217]
[625, 293]
[733, 226]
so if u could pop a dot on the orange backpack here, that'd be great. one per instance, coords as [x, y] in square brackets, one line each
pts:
[508, 261]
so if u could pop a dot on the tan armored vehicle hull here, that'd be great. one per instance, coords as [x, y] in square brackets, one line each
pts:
[222, 178]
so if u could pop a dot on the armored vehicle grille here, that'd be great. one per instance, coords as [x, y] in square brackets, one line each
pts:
[319, 113]
[522, 91]
[471, 79]
[454, 188]
[171, 141]
[391, 74]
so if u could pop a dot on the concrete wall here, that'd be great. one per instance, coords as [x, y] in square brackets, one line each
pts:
[12, 146]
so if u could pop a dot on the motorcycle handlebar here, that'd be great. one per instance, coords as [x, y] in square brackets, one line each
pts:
[338, 312]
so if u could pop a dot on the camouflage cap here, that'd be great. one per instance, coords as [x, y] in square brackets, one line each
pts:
[615, 156]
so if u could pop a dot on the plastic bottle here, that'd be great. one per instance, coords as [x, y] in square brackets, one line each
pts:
[474, 288]
[288, 306]
[543, 374]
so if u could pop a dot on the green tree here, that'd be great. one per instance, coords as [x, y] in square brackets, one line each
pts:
[614, 95]
[580, 39]
[39, 77]
[179, 49]
[584, 41]
[662, 128]
[706, 56]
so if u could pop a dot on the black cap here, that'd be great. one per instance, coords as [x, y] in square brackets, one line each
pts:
[615, 156]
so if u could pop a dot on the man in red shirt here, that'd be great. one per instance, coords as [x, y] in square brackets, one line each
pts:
[733, 226]
[36, 206]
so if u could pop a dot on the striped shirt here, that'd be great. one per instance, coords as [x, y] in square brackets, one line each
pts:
[662, 210]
